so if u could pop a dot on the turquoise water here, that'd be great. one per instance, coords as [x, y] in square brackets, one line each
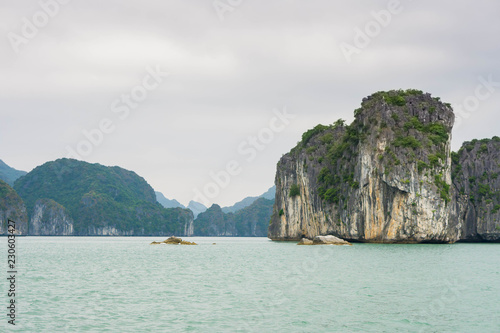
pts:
[89, 284]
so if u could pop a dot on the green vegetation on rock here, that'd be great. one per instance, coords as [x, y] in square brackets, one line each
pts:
[11, 207]
[294, 190]
[397, 97]
[443, 187]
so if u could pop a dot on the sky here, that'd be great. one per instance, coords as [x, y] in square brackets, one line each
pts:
[202, 98]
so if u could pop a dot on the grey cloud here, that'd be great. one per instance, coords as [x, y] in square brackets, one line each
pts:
[226, 78]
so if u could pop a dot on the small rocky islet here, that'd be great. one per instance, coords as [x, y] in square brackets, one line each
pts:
[323, 240]
[174, 241]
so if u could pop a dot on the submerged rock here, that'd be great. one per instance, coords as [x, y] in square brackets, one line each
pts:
[329, 240]
[305, 241]
[172, 240]
[188, 243]
[175, 241]
[323, 240]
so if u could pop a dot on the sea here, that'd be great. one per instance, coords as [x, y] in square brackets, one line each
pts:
[124, 284]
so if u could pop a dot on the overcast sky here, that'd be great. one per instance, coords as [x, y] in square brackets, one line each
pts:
[232, 66]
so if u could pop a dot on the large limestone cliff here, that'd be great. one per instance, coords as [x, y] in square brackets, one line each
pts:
[384, 178]
[49, 219]
[12, 208]
[476, 184]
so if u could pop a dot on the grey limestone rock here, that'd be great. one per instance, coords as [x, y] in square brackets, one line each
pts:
[384, 178]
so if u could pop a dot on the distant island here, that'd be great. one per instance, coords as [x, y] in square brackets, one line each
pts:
[389, 177]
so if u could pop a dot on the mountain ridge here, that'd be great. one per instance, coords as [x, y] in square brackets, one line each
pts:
[196, 208]
[9, 174]
[167, 203]
[269, 194]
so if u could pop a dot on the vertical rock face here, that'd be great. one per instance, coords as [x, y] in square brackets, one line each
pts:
[186, 218]
[384, 178]
[12, 208]
[50, 218]
[189, 228]
[476, 183]
[108, 231]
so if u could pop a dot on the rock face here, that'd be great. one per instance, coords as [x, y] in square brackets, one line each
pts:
[12, 207]
[385, 178]
[476, 184]
[189, 227]
[50, 218]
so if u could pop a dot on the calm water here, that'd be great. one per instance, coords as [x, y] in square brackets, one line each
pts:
[73, 284]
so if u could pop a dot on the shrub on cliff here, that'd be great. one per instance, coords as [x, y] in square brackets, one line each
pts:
[294, 190]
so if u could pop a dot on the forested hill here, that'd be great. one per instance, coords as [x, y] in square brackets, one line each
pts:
[101, 200]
